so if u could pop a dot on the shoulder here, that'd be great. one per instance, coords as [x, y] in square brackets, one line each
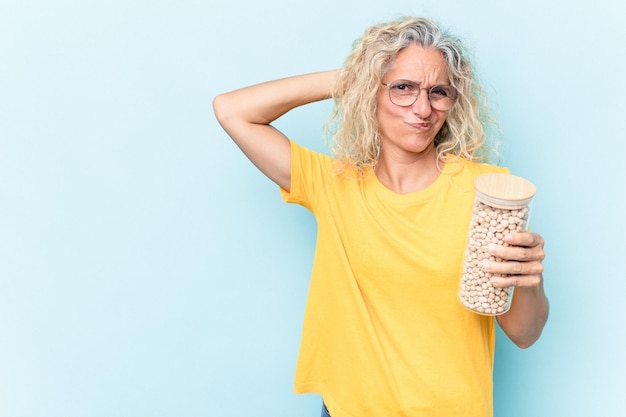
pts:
[462, 166]
[463, 172]
[301, 155]
[311, 173]
[311, 163]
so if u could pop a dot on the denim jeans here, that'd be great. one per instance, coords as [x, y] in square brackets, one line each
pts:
[325, 411]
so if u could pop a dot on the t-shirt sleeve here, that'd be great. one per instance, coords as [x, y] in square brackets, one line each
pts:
[308, 174]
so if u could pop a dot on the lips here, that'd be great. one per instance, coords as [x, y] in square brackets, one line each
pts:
[421, 126]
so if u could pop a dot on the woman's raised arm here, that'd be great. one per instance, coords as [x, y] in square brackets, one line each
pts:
[246, 114]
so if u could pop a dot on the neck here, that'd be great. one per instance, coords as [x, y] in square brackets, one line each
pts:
[408, 174]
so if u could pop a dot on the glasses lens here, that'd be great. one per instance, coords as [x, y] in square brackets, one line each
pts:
[442, 97]
[403, 93]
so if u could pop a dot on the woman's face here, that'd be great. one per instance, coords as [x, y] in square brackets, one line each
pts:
[412, 129]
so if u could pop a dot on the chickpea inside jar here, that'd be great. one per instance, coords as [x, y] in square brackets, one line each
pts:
[502, 206]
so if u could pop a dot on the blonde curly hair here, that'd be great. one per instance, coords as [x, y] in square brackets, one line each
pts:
[353, 127]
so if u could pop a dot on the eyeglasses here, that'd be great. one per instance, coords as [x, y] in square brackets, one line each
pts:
[404, 93]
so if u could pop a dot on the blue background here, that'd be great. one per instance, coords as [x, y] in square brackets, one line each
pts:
[148, 269]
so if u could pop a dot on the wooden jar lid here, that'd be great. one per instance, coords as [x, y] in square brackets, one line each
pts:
[504, 190]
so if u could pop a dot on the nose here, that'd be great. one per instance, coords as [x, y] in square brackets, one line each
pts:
[422, 107]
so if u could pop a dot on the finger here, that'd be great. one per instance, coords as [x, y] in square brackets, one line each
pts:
[513, 268]
[516, 281]
[525, 239]
[518, 253]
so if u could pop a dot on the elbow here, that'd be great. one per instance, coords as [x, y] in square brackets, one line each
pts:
[526, 339]
[525, 344]
[228, 111]
[523, 334]
[220, 107]
[524, 326]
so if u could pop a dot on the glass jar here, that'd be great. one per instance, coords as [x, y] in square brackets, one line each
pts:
[501, 206]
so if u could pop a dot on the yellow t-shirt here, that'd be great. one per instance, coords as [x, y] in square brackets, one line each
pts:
[384, 332]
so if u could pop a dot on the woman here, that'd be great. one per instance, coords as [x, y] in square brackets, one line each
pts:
[384, 332]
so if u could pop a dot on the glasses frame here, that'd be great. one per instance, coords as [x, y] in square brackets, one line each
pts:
[416, 95]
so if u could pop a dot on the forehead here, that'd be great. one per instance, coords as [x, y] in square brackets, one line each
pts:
[420, 64]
